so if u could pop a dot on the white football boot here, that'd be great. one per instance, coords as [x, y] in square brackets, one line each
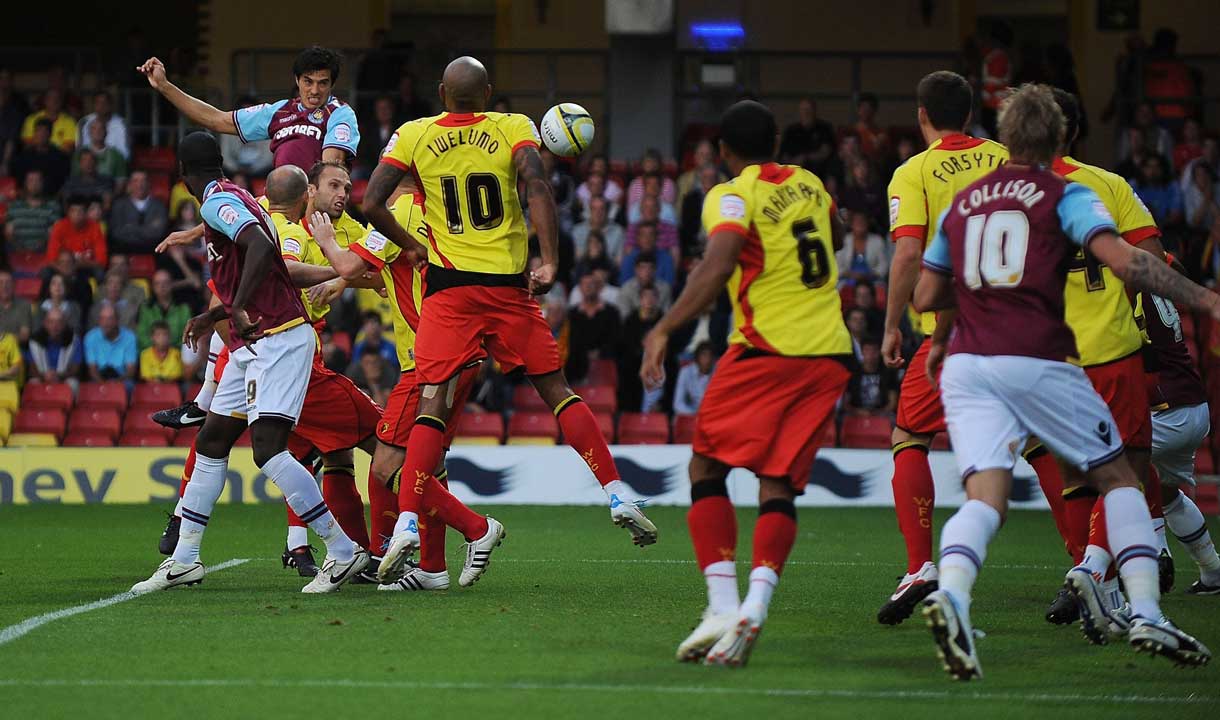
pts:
[711, 628]
[170, 574]
[912, 588]
[478, 553]
[1161, 637]
[334, 574]
[415, 579]
[953, 636]
[734, 647]
[398, 551]
[627, 514]
[1095, 617]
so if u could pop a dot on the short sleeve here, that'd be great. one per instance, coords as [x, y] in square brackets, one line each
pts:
[342, 131]
[936, 257]
[725, 209]
[1083, 215]
[908, 204]
[1132, 218]
[253, 122]
[397, 150]
[226, 214]
[294, 241]
[520, 131]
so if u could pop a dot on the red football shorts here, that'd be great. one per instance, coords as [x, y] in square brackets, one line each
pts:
[919, 408]
[402, 406]
[222, 359]
[1121, 384]
[337, 415]
[456, 323]
[765, 412]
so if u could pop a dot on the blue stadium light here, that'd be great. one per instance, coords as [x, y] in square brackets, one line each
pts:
[718, 35]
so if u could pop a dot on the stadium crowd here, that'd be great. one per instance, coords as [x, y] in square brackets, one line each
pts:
[84, 299]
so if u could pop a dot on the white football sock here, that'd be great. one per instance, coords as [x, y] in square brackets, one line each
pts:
[1112, 594]
[406, 521]
[1133, 543]
[620, 488]
[297, 537]
[963, 548]
[1096, 560]
[1158, 527]
[204, 398]
[195, 507]
[721, 577]
[1188, 526]
[301, 491]
[761, 586]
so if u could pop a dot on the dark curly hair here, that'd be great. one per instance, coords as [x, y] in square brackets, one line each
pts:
[318, 58]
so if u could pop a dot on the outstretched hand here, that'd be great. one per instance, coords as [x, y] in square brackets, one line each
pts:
[154, 71]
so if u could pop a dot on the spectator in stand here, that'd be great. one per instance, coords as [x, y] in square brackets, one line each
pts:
[502, 104]
[555, 310]
[161, 361]
[705, 157]
[857, 325]
[161, 308]
[594, 329]
[77, 280]
[594, 258]
[180, 195]
[137, 220]
[373, 340]
[1201, 200]
[1168, 78]
[132, 293]
[1210, 157]
[110, 349]
[252, 158]
[333, 356]
[563, 189]
[111, 293]
[597, 220]
[85, 181]
[40, 155]
[13, 109]
[1191, 146]
[11, 363]
[650, 164]
[666, 232]
[411, 105]
[103, 113]
[874, 142]
[638, 323]
[54, 297]
[595, 186]
[57, 81]
[30, 217]
[374, 375]
[77, 234]
[646, 238]
[1131, 168]
[865, 297]
[808, 142]
[610, 189]
[1160, 193]
[693, 379]
[189, 262]
[374, 135]
[873, 388]
[652, 189]
[644, 275]
[16, 314]
[55, 352]
[837, 164]
[864, 192]
[62, 125]
[690, 229]
[996, 73]
[1156, 139]
[864, 256]
[110, 162]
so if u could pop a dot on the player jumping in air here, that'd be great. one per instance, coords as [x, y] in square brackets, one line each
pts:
[772, 232]
[466, 162]
[261, 387]
[1000, 256]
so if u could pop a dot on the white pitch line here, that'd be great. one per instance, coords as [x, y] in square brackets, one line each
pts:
[672, 561]
[810, 693]
[12, 632]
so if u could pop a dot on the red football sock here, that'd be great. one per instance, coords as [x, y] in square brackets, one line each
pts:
[188, 469]
[432, 535]
[774, 536]
[914, 498]
[1077, 510]
[713, 529]
[439, 502]
[424, 449]
[339, 492]
[1152, 493]
[580, 430]
[1097, 525]
[293, 520]
[383, 512]
[1051, 482]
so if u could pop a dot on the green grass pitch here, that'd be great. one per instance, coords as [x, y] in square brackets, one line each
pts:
[570, 619]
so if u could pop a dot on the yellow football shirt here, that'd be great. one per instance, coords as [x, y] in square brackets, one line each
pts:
[161, 369]
[926, 184]
[464, 166]
[403, 284]
[297, 243]
[784, 294]
[1096, 304]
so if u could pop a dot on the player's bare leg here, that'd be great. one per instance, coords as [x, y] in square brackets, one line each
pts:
[712, 523]
[581, 432]
[914, 498]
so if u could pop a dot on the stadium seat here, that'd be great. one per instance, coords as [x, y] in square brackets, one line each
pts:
[10, 398]
[8, 187]
[27, 288]
[605, 423]
[96, 419]
[602, 372]
[6, 424]
[643, 429]
[358, 188]
[258, 186]
[163, 395]
[870, 431]
[141, 423]
[26, 263]
[244, 440]
[192, 390]
[142, 439]
[154, 159]
[533, 428]
[158, 186]
[109, 393]
[684, 429]
[481, 428]
[41, 394]
[88, 438]
[847, 297]
[343, 341]
[599, 398]
[142, 266]
[32, 440]
[186, 436]
[527, 400]
[41, 420]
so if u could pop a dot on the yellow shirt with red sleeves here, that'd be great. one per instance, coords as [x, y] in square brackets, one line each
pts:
[463, 164]
[783, 289]
[297, 243]
[403, 283]
[926, 184]
[1096, 304]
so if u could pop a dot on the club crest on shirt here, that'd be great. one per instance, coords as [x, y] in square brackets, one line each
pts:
[227, 214]
[343, 132]
[732, 206]
[316, 116]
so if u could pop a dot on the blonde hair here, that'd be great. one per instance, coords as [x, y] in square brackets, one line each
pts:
[1031, 123]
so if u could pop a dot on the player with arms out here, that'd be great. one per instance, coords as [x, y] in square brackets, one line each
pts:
[772, 232]
[466, 163]
[1000, 256]
[263, 388]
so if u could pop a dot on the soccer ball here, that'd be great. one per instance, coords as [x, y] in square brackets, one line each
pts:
[567, 129]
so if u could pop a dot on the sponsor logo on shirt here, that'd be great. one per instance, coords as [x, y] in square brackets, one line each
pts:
[893, 211]
[343, 132]
[733, 207]
[227, 214]
[375, 242]
[390, 144]
[307, 130]
[534, 129]
[292, 247]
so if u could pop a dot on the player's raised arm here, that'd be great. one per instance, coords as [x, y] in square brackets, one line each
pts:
[347, 264]
[1144, 271]
[542, 215]
[382, 184]
[196, 110]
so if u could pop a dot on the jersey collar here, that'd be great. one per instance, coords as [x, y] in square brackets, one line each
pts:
[301, 106]
[452, 119]
[955, 141]
[1064, 165]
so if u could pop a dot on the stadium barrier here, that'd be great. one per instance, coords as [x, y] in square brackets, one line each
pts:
[481, 475]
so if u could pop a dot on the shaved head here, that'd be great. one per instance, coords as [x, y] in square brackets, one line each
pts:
[464, 86]
[286, 185]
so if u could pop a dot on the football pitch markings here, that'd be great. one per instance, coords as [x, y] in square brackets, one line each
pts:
[808, 693]
[12, 632]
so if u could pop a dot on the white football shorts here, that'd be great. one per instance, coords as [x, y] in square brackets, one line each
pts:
[1176, 434]
[268, 379]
